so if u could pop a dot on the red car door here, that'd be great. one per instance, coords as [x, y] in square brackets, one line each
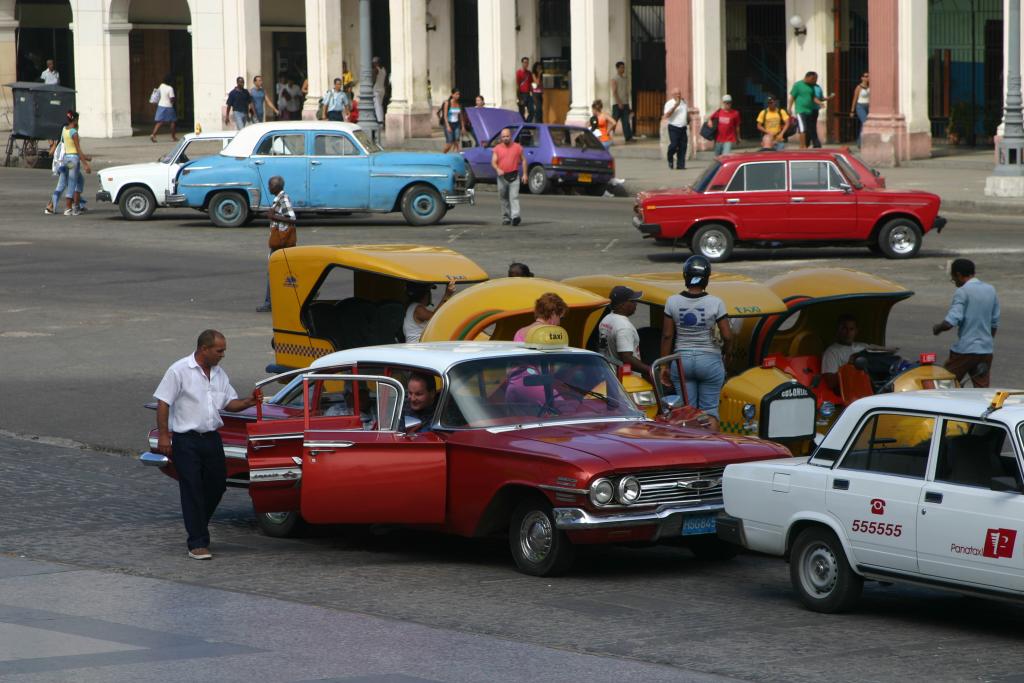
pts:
[823, 205]
[756, 199]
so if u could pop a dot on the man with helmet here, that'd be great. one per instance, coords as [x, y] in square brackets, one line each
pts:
[688, 329]
[418, 312]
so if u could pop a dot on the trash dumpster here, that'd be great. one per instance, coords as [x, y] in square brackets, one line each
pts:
[39, 114]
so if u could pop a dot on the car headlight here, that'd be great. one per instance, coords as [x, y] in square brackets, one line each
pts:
[749, 411]
[629, 490]
[601, 492]
[644, 399]
[827, 409]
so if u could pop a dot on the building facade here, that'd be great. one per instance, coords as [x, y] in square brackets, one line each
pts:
[936, 65]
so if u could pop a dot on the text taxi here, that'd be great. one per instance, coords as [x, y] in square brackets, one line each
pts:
[922, 487]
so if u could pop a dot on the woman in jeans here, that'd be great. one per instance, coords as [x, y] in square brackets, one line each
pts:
[454, 122]
[861, 102]
[69, 173]
[688, 329]
[537, 92]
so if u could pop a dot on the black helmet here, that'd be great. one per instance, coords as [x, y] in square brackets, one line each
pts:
[696, 271]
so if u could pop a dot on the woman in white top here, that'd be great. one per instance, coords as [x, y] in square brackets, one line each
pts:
[165, 112]
[418, 313]
[861, 100]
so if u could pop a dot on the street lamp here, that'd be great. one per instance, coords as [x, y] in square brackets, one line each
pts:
[367, 112]
[797, 22]
[1007, 179]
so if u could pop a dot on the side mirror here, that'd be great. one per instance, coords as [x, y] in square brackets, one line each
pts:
[1004, 484]
[412, 424]
[671, 402]
[846, 188]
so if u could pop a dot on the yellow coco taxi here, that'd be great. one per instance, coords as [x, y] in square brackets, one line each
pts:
[331, 298]
[758, 401]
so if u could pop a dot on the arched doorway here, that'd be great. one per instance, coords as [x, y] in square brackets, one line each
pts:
[159, 44]
[43, 34]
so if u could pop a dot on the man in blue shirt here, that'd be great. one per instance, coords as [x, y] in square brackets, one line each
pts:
[975, 314]
[335, 104]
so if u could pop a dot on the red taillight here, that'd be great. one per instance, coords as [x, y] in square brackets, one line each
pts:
[556, 161]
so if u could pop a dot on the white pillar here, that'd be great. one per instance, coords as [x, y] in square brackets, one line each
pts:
[350, 46]
[323, 50]
[528, 35]
[913, 96]
[439, 47]
[242, 40]
[496, 20]
[103, 83]
[591, 67]
[409, 113]
[8, 68]
[809, 52]
[213, 72]
[708, 60]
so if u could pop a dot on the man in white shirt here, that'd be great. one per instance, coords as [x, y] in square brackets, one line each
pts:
[50, 76]
[677, 115]
[380, 88]
[189, 398]
[838, 354]
[618, 339]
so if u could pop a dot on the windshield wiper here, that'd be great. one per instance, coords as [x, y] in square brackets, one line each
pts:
[610, 402]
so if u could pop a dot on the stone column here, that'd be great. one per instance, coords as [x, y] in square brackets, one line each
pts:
[102, 75]
[808, 52]
[8, 68]
[409, 114]
[496, 20]
[528, 31]
[242, 40]
[323, 50]
[591, 68]
[708, 36]
[213, 70]
[440, 47]
[350, 45]
[913, 102]
[883, 140]
[679, 63]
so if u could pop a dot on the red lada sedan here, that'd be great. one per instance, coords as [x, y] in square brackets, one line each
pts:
[775, 199]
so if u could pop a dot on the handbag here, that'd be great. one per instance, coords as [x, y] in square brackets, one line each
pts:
[511, 176]
[709, 130]
[281, 239]
[154, 97]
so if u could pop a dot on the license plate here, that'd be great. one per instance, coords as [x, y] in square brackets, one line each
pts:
[698, 524]
[586, 178]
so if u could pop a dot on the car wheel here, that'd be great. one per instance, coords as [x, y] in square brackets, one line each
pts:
[470, 177]
[422, 205]
[712, 548]
[538, 548]
[712, 241]
[249, 218]
[537, 180]
[821, 574]
[136, 204]
[280, 524]
[899, 238]
[228, 210]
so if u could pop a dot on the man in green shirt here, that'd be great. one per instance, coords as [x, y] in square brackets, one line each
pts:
[804, 104]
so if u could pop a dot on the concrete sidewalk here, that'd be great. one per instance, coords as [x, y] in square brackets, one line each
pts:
[958, 176]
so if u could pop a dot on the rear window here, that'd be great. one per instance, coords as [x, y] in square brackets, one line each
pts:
[577, 138]
[701, 185]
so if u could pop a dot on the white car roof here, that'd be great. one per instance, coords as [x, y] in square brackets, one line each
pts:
[246, 139]
[965, 402]
[212, 135]
[435, 356]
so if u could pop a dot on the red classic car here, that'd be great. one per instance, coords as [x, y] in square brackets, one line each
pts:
[540, 443]
[804, 198]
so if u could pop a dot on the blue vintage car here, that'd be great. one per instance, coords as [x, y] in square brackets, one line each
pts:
[556, 154]
[327, 167]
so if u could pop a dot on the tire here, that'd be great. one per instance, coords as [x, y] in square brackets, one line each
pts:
[538, 548]
[249, 218]
[537, 180]
[280, 524]
[712, 548]
[821, 573]
[597, 190]
[713, 241]
[422, 205]
[228, 210]
[900, 238]
[136, 204]
[470, 177]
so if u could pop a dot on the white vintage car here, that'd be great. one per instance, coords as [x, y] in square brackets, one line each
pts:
[922, 487]
[139, 189]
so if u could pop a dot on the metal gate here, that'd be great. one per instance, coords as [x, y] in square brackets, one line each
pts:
[755, 66]
[846, 65]
[647, 37]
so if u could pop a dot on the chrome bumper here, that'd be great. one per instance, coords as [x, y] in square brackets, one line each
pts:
[103, 196]
[668, 518]
[154, 459]
[175, 199]
[466, 197]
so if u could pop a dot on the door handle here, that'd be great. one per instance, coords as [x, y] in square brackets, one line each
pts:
[932, 497]
[732, 200]
[841, 484]
[796, 199]
[314, 163]
[261, 446]
[257, 163]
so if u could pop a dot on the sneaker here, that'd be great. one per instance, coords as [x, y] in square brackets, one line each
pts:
[48, 211]
[71, 212]
[670, 165]
[265, 308]
[82, 209]
[200, 554]
[506, 221]
[517, 220]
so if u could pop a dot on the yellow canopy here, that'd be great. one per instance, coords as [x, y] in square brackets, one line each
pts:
[820, 283]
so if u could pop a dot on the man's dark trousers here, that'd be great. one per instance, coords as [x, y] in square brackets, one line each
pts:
[812, 129]
[677, 144]
[202, 479]
[336, 116]
[620, 112]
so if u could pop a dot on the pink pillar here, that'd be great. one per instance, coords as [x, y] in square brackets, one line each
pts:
[883, 141]
[679, 60]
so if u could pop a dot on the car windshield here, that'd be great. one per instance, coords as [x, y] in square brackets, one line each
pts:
[367, 142]
[705, 178]
[166, 159]
[534, 389]
[848, 170]
[577, 138]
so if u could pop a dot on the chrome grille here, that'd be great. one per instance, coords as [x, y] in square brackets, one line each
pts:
[658, 488]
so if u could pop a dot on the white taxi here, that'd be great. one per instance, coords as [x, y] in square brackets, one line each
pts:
[139, 189]
[922, 487]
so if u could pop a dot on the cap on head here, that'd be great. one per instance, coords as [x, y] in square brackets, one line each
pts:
[697, 271]
[620, 294]
[727, 98]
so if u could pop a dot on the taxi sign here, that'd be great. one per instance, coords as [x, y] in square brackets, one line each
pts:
[769, 361]
[926, 359]
[544, 337]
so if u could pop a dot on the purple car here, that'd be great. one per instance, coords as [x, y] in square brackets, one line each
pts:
[556, 154]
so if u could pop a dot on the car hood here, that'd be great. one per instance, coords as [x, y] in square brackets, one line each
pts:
[133, 169]
[487, 121]
[635, 446]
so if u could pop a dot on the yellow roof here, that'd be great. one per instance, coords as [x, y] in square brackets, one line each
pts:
[741, 295]
[507, 303]
[832, 282]
[411, 262]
